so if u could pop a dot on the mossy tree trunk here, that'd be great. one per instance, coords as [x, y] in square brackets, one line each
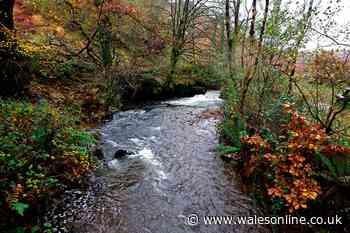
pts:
[174, 58]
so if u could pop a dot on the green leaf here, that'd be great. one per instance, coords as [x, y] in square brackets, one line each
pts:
[19, 207]
[39, 135]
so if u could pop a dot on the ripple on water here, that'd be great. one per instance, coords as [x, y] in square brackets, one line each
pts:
[173, 172]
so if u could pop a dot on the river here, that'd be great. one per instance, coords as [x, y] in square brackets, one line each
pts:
[172, 172]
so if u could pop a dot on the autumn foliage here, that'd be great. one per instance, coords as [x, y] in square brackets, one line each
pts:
[290, 168]
[328, 67]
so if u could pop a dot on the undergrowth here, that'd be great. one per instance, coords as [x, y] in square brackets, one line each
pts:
[42, 152]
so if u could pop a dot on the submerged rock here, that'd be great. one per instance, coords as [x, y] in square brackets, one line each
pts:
[119, 154]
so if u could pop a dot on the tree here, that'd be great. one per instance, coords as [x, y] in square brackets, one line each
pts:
[252, 23]
[184, 15]
[250, 74]
[304, 26]
[6, 17]
[231, 39]
[228, 35]
[13, 72]
[236, 22]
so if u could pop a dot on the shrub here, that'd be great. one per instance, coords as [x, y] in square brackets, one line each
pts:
[292, 171]
[40, 153]
[233, 127]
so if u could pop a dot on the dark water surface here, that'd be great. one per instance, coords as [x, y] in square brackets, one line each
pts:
[173, 172]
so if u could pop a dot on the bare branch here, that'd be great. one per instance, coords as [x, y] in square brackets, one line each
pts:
[330, 37]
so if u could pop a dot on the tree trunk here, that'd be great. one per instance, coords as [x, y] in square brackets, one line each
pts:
[174, 58]
[250, 74]
[180, 19]
[14, 72]
[105, 40]
[252, 23]
[236, 34]
[228, 36]
[175, 53]
[6, 17]
[306, 21]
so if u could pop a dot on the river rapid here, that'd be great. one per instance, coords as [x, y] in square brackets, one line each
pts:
[172, 172]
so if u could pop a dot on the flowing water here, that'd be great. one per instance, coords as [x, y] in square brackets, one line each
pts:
[173, 172]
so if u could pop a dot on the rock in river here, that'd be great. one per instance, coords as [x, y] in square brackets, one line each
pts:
[119, 154]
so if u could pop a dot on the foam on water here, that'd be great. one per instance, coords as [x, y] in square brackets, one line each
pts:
[136, 141]
[147, 155]
[208, 99]
[114, 144]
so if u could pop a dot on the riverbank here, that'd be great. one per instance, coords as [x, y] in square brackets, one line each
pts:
[289, 164]
[43, 152]
[86, 99]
